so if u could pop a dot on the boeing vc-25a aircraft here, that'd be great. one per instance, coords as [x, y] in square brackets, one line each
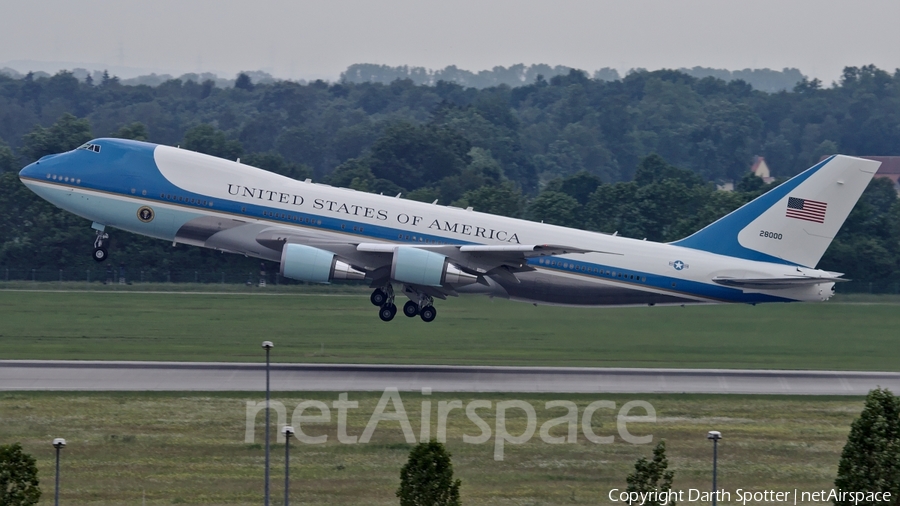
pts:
[766, 251]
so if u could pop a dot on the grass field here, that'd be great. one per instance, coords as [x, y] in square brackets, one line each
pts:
[172, 448]
[341, 326]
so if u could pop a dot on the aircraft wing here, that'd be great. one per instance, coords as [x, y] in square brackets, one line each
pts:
[497, 261]
[776, 283]
[483, 258]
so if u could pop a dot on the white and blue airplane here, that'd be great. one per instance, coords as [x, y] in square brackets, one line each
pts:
[766, 251]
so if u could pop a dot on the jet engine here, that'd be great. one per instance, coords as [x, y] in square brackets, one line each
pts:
[314, 265]
[422, 267]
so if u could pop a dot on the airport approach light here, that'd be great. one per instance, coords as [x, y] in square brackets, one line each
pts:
[58, 443]
[288, 431]
[714, 436]
[267, 345]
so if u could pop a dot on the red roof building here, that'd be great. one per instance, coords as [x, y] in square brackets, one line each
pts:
[890, 168]
[761, 170]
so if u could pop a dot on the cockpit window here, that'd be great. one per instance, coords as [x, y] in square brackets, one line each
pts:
[90, 147]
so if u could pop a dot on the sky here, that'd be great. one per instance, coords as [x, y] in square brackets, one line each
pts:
[297, 39]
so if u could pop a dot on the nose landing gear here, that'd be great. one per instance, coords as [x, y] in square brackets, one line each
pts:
[100, 252]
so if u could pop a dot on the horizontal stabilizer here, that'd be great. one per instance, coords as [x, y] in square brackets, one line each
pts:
[775, 283]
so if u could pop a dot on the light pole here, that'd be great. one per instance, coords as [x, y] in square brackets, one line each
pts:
[267, 345]
[288, 432]
[714, 436]
[58, 443]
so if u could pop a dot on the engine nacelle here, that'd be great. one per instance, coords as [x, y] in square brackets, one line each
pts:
[314, 265]
[422, 267]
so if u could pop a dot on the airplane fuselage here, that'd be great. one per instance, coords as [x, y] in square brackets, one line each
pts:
[189, 198]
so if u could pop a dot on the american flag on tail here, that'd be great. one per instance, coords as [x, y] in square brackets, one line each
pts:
[803, 209]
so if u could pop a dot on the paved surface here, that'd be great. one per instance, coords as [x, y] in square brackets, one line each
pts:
[214, 376]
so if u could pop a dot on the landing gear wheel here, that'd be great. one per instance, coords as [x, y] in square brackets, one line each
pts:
[378, 297]
[428, 313]
[100, 254]
[410, 309]
[387, 312]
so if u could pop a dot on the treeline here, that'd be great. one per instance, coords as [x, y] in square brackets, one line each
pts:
[637, 156]
[515, 75]
[518, 75]
[512, 76]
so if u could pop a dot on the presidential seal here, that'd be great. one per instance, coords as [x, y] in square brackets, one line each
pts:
[145, 214]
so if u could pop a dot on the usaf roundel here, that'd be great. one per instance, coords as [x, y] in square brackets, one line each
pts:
[678, 265]
[145, 214]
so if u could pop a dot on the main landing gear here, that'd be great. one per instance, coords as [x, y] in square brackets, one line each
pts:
[100, 252]
[384, 298]
[424, 308]
[428, 314]
[410, 309]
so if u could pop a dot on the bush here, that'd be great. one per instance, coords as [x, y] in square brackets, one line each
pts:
[652, 475]
[18, 477]
[427, 478]
[870, 461]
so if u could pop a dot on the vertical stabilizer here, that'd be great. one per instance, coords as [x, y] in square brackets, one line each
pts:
[795, 222]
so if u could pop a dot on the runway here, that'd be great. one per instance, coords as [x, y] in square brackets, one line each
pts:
[23, 375]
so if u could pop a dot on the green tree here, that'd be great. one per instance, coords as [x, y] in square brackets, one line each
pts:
[243, 82]
[750, 182]
[208, 139]
[413, 156]
[504, 199]
[870, 461]
[7, 160]
[561, 159]
[355, 174]
[427, 477]
[19, 484]
[652, 475]
[66, 134]
[716, 205]
[654, 168]
[274, 162]
[613, 208]
[653, 206]
[301, 144]
[483, 172]
[136, 131]
[555, 208]
[580, 186]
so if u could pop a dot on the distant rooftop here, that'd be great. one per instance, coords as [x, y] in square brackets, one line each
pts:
[890, 168]
[889, 164]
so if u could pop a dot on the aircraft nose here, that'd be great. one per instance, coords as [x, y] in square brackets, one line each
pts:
[40, 168]
[30, 171]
